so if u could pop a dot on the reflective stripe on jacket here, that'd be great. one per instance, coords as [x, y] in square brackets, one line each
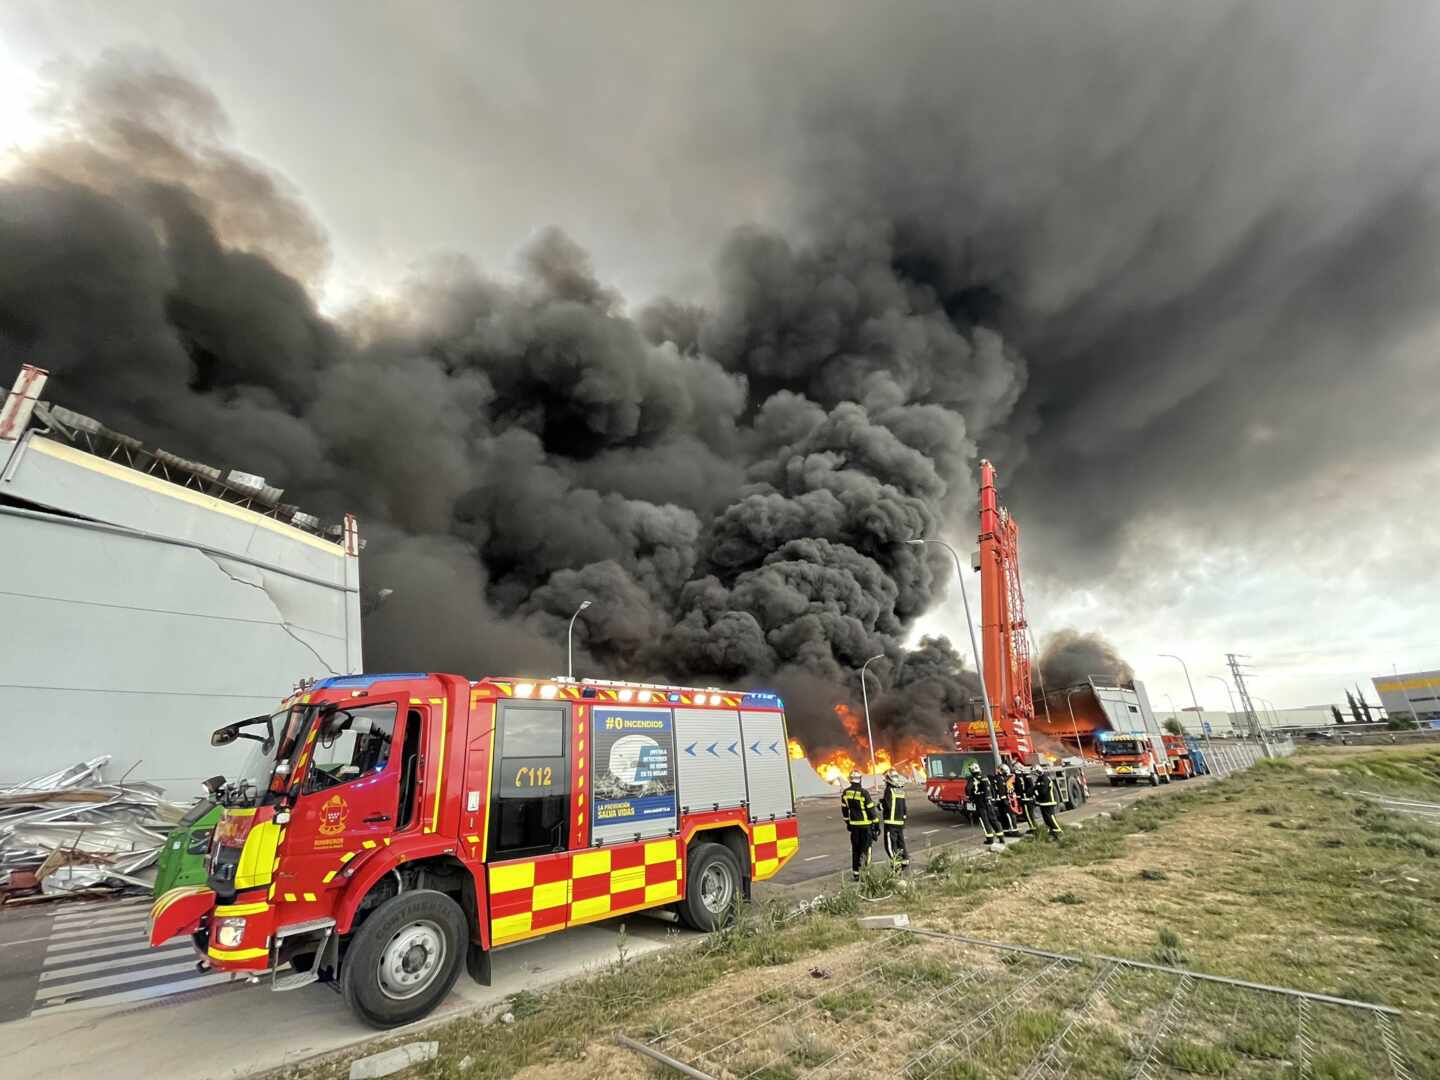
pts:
[892, 805]
[1045, 789]
[855, 807]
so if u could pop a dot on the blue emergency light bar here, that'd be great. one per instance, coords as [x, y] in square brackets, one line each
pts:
[761, 699]
[364, 682]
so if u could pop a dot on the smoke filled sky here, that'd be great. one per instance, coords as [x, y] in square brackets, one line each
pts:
[1172, 267]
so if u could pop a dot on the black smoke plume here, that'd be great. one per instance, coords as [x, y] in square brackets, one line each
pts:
[731, 488]
[1070, 657]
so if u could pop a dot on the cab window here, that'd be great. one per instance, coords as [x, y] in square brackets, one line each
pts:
[351, 744]
[532, 780]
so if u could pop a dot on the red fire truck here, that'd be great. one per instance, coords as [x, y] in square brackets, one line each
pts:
[1006, 644]
[1182, 766]
[388, 829]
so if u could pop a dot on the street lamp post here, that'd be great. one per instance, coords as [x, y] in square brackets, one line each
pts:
[1209, 747]
[974, 647]
[570, 642]
[865, 696]
[1074, 727]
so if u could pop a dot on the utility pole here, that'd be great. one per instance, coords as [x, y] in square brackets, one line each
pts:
[1252, 720]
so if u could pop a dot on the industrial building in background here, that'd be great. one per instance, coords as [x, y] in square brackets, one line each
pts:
[149, 598]
[1414, 695]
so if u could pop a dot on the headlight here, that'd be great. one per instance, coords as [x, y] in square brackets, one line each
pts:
[1109, 770]
[230, 932]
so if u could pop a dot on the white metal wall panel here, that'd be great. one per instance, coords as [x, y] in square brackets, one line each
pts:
[708, 755]
[767, 765]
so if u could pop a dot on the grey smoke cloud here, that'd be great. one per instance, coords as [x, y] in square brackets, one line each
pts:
[1160, 264]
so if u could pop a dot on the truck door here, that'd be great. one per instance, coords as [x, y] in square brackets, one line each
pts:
[349, 797]
[528, 860]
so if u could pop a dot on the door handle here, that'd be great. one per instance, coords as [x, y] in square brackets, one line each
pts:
[374, 818]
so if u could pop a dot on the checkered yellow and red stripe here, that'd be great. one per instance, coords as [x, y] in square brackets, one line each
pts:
[771, 845]
[537, 896]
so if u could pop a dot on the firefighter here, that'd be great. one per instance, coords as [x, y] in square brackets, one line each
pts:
[858, 810]
[977, 792]
[892, 816]
[1026, 783]
[1046, 797]
[1006, 812]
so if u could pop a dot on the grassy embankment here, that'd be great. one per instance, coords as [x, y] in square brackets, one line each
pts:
[1275, 876]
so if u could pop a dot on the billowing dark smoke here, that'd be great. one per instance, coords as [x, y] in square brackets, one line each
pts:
[731, 488]
[1069, 657]
[1143, 256]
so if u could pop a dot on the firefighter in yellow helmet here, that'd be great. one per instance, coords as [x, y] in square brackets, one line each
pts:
[892, 816]
[860, 814]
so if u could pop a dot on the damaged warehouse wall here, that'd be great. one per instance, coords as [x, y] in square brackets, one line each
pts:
[142, 614]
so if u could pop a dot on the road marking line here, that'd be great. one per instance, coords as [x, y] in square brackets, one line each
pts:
[812, 858]
[97, 941]
[60, 990]
[163, 990]
[98, 931]
[22, 941]
[957, 826]
[927, 832]
[98, 946]
[110, 963]
[96, 918]
[72, 929]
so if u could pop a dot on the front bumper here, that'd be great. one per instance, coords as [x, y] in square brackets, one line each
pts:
[236, 936]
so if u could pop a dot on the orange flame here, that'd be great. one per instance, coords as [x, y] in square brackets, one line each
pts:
[907, 758]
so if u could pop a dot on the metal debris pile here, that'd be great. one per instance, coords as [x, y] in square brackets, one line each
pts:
[70, 831]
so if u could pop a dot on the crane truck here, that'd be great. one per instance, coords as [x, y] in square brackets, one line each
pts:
[388, 830]
[1006, 648]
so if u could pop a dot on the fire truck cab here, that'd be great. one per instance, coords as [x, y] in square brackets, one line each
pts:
[387, 830]
[1132, 757]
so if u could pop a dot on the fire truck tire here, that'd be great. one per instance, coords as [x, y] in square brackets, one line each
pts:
[712, 888]
[404, 958]
[1154, 780]
[1073, 796]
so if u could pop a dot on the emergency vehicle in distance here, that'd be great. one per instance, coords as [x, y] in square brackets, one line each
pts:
[1133, 756]
[388, 829]
[1006, 645]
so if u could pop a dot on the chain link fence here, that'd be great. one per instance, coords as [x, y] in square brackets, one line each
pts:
[924, 1005]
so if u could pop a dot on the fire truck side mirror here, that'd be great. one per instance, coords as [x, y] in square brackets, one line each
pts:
[225, 736]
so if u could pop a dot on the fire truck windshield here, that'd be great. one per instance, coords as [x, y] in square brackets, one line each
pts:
[251, 783]
[1120, 747]
[946, 766]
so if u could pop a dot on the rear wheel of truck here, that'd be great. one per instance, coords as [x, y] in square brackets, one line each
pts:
[404, 958]
[1073, 796]
[712, 888]
[1154, 780]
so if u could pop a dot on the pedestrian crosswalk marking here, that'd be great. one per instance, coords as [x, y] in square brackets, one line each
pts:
[118, 960]
[100, 956]
[69, 989]
[144, 994]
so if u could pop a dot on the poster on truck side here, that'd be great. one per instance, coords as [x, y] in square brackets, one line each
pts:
[633, 773]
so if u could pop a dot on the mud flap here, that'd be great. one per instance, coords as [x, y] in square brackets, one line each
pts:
[477, 963]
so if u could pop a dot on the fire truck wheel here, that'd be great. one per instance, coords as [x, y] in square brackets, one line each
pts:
[712, 888]
[1154, 780]
[404, 958]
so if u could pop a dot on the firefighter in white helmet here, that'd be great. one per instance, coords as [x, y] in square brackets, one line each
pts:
[859, 812]
[892, 816]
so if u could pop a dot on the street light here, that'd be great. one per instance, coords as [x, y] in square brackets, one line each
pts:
[865, 695]
[1074, 727]
[570, 641]
[1193, 700]
[974, 647]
